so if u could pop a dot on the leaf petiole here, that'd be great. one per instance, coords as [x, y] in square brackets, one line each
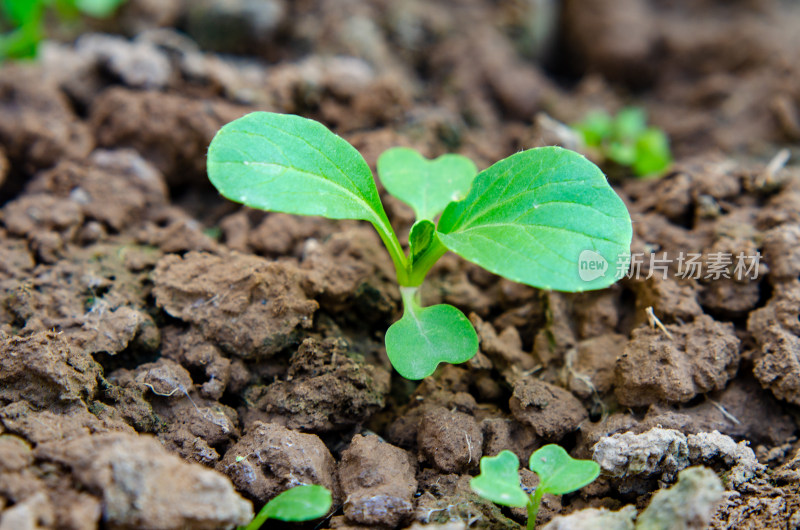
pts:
[422, 264]
[390, 241]
[533, 507]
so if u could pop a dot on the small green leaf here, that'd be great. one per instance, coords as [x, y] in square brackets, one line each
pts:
[545, 217]
[98, 8]
[559, 473]
[629, 123]
[301, 503]
[596, 127]
[420, 238]
[623, 153]
[425, 185]
[499, 480]
[652, 153]
[427, 336]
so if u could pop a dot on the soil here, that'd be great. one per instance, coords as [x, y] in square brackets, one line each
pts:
[171, 360]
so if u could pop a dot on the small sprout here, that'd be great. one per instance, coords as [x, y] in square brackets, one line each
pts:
[533, 217]
[558, 473]
[627, 140]
[22, 21]
[301, 503]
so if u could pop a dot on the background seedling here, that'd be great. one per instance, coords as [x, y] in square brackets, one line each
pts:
[627, 140]
[558, 473]
[531, 217]
[22, 21]
[301, 503]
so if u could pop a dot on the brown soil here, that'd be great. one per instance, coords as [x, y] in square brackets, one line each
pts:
[171, 360]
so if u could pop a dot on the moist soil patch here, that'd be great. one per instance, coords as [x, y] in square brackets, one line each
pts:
[172, 360]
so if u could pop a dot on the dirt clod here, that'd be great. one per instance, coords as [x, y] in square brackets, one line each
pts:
[43, 369]
[248, 306]
[143, 486]
[552, 411]
[451, 440]
[270, 458]
[378, 482]
[700, 357]
[327, 385]
[777, 333]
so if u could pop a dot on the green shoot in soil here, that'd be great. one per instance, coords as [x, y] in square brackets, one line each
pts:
[558, 473]
[627, 140]
[545, 217]
[301, 503]
[22, 21]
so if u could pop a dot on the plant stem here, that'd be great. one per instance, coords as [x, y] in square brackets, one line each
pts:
[533, 507]
[257, 521]
[423, 264]
[389, 238]
[411, 301]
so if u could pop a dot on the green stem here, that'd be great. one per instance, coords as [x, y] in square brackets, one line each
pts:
[411, 299]
[390, 241]
[533, 507]
[257, 521]
[423, 264]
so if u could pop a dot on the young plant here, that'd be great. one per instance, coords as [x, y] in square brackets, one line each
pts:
[22, 21]
[558, 473]
[627, 140]
[545, 217]
[301, 503]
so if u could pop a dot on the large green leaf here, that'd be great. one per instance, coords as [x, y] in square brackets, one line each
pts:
[559, 473]
[286, 163]
[546, 217]
[499, 480]
[427, 336]
[425, 185]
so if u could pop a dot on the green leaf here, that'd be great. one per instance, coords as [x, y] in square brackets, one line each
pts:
[98, 8]
[559, 473]
[652, 153]
[427, 336]
[21, 43]
[420, 238]
[22, 12]
[596, 127]
[301, 503]
[499, 480]
[545, 217]
[629, 123]
[425, 185]
[623, 153]
[285, 163]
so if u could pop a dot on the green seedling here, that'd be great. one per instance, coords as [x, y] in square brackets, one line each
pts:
[558, 473]
[22, 21]
[301, 503]
[627, 140]
[545, 217]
